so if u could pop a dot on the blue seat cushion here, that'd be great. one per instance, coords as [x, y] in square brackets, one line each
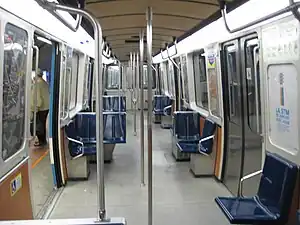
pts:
[274, 197]
[188, 146]
[245, 210]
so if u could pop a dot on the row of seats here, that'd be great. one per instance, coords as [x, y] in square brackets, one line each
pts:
[162, 107]
[187, 133]
[160, 102]
[273, 201]
[81, 131]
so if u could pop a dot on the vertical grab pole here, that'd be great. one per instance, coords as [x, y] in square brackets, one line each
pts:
[134, 93]
[149, 121]
[99, 100]
[142, 125]
[34, 89]
[131, 77]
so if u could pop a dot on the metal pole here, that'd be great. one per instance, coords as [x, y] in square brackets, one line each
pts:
[99, 101]
[142, 125]
[35, 89]
[134, 93]
[149, 121]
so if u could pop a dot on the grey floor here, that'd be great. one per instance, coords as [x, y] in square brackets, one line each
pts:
[42, 184]
[178, 197]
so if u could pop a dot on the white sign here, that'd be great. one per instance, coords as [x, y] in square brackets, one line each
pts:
[283, 97]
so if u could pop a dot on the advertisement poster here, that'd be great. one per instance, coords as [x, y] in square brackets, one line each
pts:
[283, 97]
[213, 84]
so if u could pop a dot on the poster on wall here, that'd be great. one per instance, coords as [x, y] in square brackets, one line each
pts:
[213, 83]
[283, 97]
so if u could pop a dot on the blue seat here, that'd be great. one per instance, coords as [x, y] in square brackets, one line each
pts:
[272, 203]
[187, 125]
[114, 103]
[159, 103]
[205, 143]
[81, 132]
[186, 129]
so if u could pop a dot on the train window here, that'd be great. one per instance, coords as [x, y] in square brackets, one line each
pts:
[167, 78]
[62, 87]
[145, 85]
[74, 80]
[171, 78]
[14, 86]
[185, 78]
[200, 80]
[113, 78]
[86, 84]
[252, 84]
[161, 79]
[68, 76]
[234, 87]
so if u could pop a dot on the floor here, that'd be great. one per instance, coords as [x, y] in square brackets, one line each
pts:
[178, 197]
[42, 181]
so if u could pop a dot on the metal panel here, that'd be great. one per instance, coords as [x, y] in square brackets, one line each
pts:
[11, 162]
[232, 116]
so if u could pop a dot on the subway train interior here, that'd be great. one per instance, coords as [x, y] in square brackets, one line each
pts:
[150, 112]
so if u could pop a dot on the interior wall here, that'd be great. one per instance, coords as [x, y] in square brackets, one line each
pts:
[16, 206]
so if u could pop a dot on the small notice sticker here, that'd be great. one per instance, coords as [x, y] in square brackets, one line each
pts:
[16, 184]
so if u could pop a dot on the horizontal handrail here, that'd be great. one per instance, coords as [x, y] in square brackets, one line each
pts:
[293, 7]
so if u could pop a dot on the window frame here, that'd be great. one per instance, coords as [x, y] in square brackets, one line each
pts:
[21, 156]
[185, 85]
[74, 81]
[197, 79]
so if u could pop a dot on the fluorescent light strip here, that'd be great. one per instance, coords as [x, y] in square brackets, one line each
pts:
[44, 40]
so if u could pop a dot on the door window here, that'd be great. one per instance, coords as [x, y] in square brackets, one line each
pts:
[200, 80]
[252, 84]
[14, 85]
[233, 83]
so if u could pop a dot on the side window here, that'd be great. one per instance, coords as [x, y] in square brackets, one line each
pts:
[161, 79]
[86, 83]
[67, 81]
[14, 85]
[171, 78]
[233, 82]
[200, 80]
[114, 78]
[145, 84]
[253, 84]
[74, 80]
[62, 88]
[185, 78]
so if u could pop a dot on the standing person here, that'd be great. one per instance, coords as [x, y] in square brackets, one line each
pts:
[42, 107]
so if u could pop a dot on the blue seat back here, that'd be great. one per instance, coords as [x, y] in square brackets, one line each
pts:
[114, 103]
[160, 102]
[277, 185]
[79, 127]
[187, 125]
[114, 127]
[157, 102]
[208, 130]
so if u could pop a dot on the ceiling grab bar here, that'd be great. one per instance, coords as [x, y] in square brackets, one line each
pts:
[45, 4]
[99, 100]
[293, 7]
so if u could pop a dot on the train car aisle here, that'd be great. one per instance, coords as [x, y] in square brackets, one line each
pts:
[179, 198]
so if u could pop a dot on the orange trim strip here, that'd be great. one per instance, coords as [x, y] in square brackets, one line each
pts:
[39, 159]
